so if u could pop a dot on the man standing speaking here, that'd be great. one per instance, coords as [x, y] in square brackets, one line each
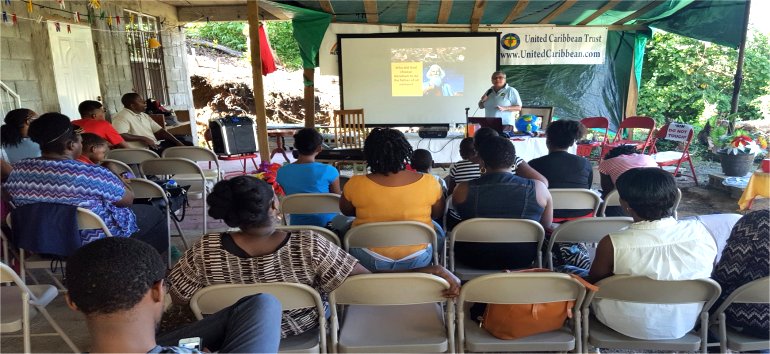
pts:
[501, 100]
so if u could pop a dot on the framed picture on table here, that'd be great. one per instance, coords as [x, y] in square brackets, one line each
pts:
[544, 112]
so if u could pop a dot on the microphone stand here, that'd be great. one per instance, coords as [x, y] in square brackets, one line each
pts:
[466, 120]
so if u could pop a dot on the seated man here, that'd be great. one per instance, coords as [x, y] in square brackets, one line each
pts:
[118, 283]
[92, 121]
[138, 129]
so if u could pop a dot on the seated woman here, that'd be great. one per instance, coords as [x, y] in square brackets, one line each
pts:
[14, 136]
[258, 253]
[745, 258]
[656, 246]
[56, 177]
[617, 161]
[308, 176]
[500, 194]
[392, 193]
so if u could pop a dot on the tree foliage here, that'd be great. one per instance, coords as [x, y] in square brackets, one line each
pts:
[282, 40]
[681, 76]
[228, 34]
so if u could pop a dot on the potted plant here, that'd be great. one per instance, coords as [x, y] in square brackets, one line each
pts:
[738, 151]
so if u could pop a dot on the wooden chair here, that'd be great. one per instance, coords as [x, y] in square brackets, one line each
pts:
[350, 128]
[292, 296]
[674, 157]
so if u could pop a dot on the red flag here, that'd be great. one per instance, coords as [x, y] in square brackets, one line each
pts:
[268, 62]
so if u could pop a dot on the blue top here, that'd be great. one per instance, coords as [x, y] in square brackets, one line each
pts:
[26, 149]
[312, 177]
[506, 96]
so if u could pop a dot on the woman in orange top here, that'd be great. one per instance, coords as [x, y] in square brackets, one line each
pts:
[392, 193]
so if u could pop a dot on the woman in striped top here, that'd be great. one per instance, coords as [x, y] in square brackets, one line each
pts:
[259, 253]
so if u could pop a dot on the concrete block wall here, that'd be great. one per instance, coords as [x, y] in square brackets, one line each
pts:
[27, 68]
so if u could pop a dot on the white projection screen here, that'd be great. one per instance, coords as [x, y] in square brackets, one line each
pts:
[416, 79]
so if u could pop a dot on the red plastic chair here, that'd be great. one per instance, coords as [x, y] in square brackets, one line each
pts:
[632, 123]
[675, 157]
[593, 123]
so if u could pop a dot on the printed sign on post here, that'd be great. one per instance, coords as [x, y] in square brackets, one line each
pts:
[678, 132]
[552, 45]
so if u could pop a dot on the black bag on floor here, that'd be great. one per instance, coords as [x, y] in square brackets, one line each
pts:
[176, 196]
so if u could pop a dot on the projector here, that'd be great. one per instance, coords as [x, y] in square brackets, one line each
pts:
[433, 132]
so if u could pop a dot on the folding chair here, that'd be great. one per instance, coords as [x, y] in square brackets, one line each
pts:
[590, 230]
[391, 233]
[192, 173]
[392, 312]
[489, 230]
[197, 154]
[326, 233]
[117, 167]
[613, 200]
[575, 199]
[520, 288]
[754, 292]
[594, 123]
[309, 203]
[16, 301]
[148, 189]
[641, 289]
[87, 220]
[632, 123]
[674, 157]
[132, 157]
[293, 296]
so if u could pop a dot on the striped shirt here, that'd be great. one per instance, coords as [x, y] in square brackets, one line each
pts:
[615, 166]
[466, 170]
[305, 258]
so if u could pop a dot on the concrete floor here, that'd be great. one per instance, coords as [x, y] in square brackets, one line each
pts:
[696, 200]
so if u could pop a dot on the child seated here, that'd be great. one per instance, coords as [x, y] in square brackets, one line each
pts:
[308, 176]
[94, 149]
[422, 161]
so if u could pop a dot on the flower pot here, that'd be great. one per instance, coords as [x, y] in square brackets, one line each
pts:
[736, 165]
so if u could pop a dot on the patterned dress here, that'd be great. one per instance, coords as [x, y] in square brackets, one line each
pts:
[74, 183]
[745, 258]
[305, 258]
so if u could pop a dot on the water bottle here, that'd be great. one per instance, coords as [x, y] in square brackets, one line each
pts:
[171, 184]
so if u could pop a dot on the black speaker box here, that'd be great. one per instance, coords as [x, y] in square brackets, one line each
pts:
[233, 135]
[433, 132]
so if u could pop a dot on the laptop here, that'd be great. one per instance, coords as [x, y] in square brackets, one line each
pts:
[495, 123]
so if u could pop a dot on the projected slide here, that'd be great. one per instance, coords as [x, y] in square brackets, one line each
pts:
[426, 71]
[416, 78]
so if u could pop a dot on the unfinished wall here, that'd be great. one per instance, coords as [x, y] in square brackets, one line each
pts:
[26, 64]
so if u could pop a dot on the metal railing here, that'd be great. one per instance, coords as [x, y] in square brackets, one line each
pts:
[9, 100]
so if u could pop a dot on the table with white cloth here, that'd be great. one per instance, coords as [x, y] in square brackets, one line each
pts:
[447, 150]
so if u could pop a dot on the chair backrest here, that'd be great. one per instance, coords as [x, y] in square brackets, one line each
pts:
[350, 129]
[170, 166]
[310, 203]
[636, 122]
[753, 292]
[144, 188]
[663, 132]
[8, 275]
[590, 230]
[391, 233]
[575, 198]
[131, 156]
[641, 289]
[116, 166]
[530, 288]
[494, 230]
[389, 289]
[195, 153]
[597, 123]
[613, 199]
[326, 233]
[88, 220]
[292, 296]
[545, 112]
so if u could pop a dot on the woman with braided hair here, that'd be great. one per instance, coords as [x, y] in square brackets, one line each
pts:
[16, 143]
[392, 193]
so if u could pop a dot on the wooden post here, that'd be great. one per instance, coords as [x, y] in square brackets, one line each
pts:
[309, 77]
[739, 70]
[632, 96]
[252, 8]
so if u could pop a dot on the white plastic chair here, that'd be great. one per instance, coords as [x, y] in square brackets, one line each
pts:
[520, 288]
[326, 233]
[613, 199]
[309, 203]
[575, 199]
[589, 230]
[392, 312]
[292, 296]
[391, 233]
[16, 314]
[170, 167]
[493, 230]
[197, 154]
[640, 289]
[147, 189]
[754, 292]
